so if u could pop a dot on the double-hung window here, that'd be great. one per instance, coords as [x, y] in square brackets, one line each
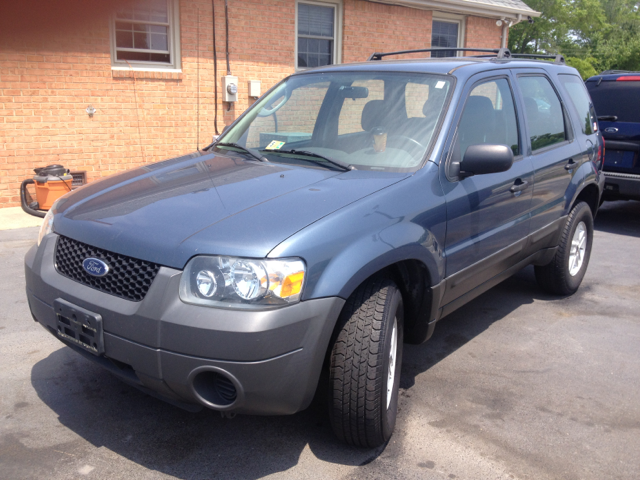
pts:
[317, 34]
[145, 34]
[445, 33]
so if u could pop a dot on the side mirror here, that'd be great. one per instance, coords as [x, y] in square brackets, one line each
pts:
[482, 159]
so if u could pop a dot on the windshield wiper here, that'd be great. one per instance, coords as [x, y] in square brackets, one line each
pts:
[338, 163]
[255, 155]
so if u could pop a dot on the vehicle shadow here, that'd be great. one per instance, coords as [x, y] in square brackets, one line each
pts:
[108, 413]
[621, 217]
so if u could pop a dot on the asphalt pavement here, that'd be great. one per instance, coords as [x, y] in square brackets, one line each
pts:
[515, 385]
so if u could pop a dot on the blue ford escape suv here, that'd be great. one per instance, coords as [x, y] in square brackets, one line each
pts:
[345, 213]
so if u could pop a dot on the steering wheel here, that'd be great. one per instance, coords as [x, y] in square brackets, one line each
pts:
[266, 112]
[413, 141]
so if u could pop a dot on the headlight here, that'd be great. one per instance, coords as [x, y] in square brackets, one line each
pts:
[234, 282]
[47, 224]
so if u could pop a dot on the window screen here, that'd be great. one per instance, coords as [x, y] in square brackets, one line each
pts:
[444, 34]
[316, 32]
[543, 110]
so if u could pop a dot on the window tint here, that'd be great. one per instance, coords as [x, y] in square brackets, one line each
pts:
[489, 117]
[543, 110]
[350, 120]
[616, 98]
[580, 99]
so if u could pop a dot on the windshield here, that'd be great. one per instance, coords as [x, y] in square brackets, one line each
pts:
[370, 120]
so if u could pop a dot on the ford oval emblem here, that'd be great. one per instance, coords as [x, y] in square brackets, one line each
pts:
[95, 267]
[611, 130]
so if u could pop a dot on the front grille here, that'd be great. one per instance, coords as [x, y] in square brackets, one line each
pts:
[128, 277]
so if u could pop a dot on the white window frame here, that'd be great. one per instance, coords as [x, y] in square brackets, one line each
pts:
[337, 30]
[173, 39]
[451, 18]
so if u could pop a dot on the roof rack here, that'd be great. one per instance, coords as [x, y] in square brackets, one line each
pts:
[500, 53]
[557, 58]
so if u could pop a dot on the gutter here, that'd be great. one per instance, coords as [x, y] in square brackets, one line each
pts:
[506, 25]
[466, 7]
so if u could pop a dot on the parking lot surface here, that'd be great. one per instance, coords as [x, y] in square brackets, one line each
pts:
[516, 384]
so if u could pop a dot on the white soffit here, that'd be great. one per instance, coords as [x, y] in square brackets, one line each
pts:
[487, 8]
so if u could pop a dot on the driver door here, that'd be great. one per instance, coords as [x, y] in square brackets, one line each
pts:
[487, 215]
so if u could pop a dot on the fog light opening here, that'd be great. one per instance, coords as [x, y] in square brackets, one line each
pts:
[215, 388]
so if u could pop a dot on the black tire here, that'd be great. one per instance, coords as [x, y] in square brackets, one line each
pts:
[359, 411]
[556, 277]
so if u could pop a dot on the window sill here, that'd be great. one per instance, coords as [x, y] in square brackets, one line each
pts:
[142, 72]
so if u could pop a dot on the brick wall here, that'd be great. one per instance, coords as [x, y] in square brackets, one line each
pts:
[482, 33]
[55, 62]
[375, 27]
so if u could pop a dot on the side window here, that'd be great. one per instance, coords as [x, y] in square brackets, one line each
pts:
[489, 117]
[582, 103]
[544, 112]
[350, 119]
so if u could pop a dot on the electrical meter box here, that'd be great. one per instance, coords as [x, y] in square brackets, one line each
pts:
[230, 88]
[254, 88]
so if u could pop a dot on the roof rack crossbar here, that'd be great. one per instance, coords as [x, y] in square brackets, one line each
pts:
[499, 52]
[557, 58]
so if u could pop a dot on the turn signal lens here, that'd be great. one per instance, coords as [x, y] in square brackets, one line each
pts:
[292, 285]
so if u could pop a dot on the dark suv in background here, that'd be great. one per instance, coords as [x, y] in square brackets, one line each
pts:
[346, 212]
[616, 96]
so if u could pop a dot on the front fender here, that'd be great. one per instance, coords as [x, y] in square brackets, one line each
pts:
[405, 221]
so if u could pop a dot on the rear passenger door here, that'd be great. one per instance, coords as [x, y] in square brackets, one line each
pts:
[552, 150]
[487, 215]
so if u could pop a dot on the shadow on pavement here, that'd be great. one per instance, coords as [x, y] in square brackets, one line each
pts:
[621, 217]
[158, 436]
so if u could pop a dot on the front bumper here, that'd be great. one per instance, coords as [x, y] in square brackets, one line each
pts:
[176, 351]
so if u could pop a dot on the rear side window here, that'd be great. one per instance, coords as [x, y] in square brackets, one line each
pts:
[543, 111]
[580, 99]
[621, 99]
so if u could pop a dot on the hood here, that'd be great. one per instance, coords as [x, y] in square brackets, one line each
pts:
[208, 204]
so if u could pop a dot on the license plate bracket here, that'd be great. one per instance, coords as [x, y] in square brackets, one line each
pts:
[79, 326]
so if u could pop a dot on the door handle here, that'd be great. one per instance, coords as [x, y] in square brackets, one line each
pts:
[519, 186]
[571, 165]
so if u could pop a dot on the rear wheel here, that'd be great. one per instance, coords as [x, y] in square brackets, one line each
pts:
[365, 364]
[564, 274]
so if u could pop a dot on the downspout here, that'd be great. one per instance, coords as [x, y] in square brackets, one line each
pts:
[506, 24]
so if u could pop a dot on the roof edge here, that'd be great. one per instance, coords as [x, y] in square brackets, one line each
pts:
[464, 7]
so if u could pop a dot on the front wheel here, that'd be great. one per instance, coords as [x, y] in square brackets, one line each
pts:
[564, 274]
[365, 364]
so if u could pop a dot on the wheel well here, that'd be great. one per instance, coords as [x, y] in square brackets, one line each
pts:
[591, 196]
[413, 281]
